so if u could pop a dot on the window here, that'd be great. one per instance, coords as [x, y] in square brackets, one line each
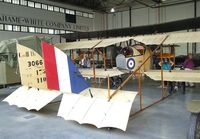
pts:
[16, 28]
[8, 27]
[91, 15]
[9, 1]
[38, 5]
[44, 6]
[66, 11]
[31, 4]
[67, 31]
[38, 30]
[23, 2]
[50, 8]
[70, 18]
[1, 26]
[51, 31]
[72, 12]
[44, 30]
[15, 1]
[56, 9]
[57, 31]
[79, 13]
[24, 29]
[62, 32]
[62, 10]
[85, 15]
[31, 29]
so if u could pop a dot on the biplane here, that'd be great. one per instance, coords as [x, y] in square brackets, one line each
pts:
[47, 72]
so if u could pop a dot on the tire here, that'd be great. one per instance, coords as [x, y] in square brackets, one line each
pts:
[194, 128]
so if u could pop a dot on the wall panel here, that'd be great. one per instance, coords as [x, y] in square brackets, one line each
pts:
[125, 19]
[140, 17]
[179, 12]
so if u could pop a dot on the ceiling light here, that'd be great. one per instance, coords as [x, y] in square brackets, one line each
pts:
[112, 10]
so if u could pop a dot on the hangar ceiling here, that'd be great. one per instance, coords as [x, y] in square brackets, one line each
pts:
[106, 5]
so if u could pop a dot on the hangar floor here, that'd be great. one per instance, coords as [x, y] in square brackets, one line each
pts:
[168, 119]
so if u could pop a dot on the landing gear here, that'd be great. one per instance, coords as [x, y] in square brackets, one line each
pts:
[194, 129]
[115, 82]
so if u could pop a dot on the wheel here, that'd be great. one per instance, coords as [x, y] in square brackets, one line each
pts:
[194, 129]
[115, 82]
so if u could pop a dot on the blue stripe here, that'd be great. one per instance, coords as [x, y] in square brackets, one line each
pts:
[77, 81]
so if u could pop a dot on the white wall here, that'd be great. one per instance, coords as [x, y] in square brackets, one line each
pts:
[72, 7]
[125, 19]
[198, 8]
[179, 12]
[118, 20]
[140, 17]
[110, 21]
[99, 22]
[152, 16]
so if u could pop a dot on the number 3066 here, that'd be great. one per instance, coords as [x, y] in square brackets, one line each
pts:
[35, 63]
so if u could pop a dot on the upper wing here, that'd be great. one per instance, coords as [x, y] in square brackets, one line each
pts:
[91, 43]
[77, 45]
[155, 39]
[185, 37]
[169, 38]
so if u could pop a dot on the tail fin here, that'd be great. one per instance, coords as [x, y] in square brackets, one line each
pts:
[32, 71]
[61, 74]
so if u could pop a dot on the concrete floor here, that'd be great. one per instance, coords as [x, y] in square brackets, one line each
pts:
[168, 119]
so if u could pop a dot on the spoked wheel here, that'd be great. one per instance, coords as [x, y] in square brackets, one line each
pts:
[194, 129]
[115, 82]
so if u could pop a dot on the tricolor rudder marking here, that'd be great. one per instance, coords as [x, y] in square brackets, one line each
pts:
[61, 73]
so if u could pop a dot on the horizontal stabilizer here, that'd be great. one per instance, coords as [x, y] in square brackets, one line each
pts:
[97, 110]
[31, 98]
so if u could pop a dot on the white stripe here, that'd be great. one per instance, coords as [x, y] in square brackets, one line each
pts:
[63, 71]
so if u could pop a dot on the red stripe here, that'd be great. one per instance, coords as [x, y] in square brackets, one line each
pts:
[50, 66]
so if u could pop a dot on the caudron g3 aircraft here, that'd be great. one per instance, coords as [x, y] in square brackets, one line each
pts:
[47, 72]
